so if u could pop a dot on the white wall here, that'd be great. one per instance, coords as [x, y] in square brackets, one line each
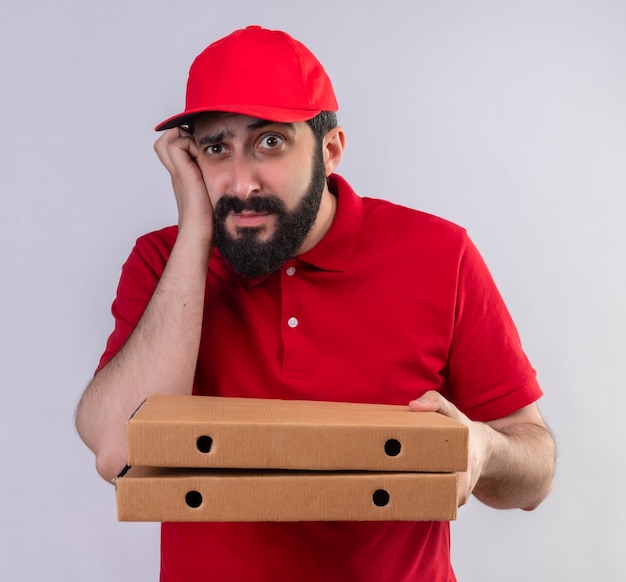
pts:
[506, 117]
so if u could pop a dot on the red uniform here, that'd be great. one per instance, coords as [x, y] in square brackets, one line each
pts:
[391, 303]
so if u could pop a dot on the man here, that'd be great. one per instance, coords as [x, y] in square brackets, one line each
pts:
[280, 282]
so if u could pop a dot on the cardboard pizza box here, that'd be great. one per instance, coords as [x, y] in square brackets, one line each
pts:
[206, 431]
[173, 494]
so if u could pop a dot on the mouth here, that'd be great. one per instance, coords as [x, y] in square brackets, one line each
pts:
[249, 218]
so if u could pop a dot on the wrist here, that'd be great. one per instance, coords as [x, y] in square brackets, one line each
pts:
[491, 446]
[195, 234]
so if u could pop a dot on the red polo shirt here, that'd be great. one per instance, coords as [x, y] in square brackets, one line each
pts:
[391, 303]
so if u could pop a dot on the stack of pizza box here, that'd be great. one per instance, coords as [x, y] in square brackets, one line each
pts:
[203, 458]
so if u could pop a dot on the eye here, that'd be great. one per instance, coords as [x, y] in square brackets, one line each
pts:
[271, 141]
[215, 149]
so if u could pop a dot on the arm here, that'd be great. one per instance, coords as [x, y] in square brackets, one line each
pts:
[511, 459]
[161, 353]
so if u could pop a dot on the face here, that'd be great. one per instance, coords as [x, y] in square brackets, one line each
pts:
[266, 182]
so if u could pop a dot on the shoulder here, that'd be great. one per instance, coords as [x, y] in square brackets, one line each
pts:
[388, 221]
[158, 241]
[377, 208]
[152, 250]
[407, 226]
[163, 238]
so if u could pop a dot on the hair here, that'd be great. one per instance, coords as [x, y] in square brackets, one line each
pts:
[322, 123]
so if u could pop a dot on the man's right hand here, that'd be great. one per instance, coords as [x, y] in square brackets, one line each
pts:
[160, 355]
[178, 151]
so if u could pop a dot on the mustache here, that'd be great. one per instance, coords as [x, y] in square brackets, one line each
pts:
[268, 203]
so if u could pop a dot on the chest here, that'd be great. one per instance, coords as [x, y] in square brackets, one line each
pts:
[377, 333]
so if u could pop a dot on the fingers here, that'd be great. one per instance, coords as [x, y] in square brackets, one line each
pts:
[464, 489]
[176, 149]
[429, 401]
[432, 401]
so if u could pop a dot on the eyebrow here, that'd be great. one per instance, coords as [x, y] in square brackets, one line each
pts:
[260, 123]
[212, 139]
[215, 138]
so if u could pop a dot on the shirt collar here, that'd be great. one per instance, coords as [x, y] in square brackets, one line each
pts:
[333, 252]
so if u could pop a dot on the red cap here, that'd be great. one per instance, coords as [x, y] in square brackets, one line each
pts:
[256, 72]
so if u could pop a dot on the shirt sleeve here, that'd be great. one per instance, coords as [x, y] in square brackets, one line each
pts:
[488, 375]
[139, 278]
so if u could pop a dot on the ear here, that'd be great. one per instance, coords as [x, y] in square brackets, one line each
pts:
[332, 148]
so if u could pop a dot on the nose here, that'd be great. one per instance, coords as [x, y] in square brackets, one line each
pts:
[243, 177]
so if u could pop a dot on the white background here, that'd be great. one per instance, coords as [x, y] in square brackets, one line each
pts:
[506, 117]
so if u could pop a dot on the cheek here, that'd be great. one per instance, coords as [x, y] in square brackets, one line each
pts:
[292, 184]
[213, 197]
[291, 192]
[212, 185]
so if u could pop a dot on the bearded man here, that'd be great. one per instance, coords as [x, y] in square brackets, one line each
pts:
[279, 281]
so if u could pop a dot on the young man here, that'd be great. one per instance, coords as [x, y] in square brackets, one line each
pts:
[280, 282]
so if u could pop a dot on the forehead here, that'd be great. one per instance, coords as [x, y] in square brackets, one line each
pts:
[231, 123]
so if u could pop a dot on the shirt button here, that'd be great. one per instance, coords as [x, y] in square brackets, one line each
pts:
[293, 322]
[291, 271]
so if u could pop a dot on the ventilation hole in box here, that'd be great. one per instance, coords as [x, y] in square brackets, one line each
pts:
[393, 447]
[380, 498]
[204, 444]
[193, 499]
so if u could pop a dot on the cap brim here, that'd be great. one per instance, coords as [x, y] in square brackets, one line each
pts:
[268, 113]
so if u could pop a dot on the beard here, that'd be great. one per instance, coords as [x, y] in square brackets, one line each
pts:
[255, 258]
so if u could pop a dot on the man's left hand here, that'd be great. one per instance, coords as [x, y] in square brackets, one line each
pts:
[479, 439]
